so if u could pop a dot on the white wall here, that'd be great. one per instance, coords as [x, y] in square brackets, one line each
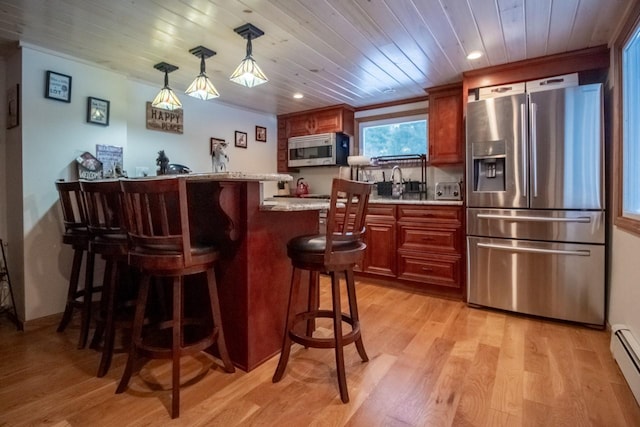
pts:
[624, 294]
[53, 133]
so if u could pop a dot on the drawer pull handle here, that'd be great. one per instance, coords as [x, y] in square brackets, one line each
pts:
[429, 239]
[428, 269]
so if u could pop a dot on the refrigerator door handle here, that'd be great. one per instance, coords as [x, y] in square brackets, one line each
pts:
[584, 219]
[523, 136]
[534, 250]
[534, 148]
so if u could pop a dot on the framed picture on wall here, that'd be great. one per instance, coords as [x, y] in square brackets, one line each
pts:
[98, 111]
[241, 139]
[13, 106]
[261, 134]
[58, 86]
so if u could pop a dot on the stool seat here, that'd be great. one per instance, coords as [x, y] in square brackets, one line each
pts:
[334, 253]
[311, 250]
[76, 238]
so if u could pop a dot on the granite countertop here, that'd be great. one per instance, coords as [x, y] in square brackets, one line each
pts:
[239, 176]
[289, 204]
[303, 204]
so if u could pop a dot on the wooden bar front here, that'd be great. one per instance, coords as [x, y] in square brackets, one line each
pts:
[254, 272]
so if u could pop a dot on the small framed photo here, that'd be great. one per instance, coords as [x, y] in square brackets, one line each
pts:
[261, 134]
[215, 143]
[241, 139]
[98, 111]
[58, 87]
[13, 106]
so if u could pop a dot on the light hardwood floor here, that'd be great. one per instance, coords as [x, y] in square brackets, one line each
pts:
[433, 362]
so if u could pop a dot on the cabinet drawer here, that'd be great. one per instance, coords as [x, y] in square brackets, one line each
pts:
[429, 239]
[381, 210]
[438, 270]
[440, 214]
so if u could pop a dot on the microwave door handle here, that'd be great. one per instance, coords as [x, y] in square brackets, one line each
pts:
[523, 146]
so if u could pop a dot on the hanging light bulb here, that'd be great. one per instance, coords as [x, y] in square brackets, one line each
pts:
[202, 88]
[248, 72]
[166, 99]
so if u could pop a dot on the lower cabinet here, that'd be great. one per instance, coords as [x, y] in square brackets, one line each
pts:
[420, 246]
[380, 236]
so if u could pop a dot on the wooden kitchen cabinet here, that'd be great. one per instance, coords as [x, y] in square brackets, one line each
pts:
[339, 118]
[418, 246]
[380, 236]
[323, 120]
[446, 136]
[430, 245]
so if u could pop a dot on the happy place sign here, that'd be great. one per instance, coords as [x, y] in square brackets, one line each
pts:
[164, 120]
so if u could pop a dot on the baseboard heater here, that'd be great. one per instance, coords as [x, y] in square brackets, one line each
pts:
[626, 351]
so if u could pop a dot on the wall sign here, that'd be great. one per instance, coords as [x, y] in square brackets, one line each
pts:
[58, 87]
[164, 120]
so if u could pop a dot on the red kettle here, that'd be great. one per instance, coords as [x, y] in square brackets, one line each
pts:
[302, 187]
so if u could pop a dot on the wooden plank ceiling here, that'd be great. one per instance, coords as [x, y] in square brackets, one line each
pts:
[358, 52]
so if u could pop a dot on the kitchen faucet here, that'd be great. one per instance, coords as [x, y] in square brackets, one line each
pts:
[396, 188]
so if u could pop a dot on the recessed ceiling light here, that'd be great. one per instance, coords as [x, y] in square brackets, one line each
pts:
[474, 55]
[298, 95]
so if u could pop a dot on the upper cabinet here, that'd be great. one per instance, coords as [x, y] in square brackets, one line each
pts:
[339, 118]
[324, 120]
[445, 125]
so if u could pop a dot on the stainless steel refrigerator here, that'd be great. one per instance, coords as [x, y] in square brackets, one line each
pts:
[535, 203]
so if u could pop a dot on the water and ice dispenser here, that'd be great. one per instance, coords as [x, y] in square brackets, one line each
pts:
[489, 165]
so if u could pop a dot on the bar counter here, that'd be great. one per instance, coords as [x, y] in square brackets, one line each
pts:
[254, 271]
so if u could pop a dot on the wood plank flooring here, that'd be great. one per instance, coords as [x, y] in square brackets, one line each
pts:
[433, 362]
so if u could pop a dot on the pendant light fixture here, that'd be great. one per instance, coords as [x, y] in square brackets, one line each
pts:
[202, 88]
[248, 73]
[166, 99]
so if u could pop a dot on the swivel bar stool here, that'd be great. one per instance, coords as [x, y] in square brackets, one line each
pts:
[108, 238]
[157, 216]
[76, 235]
[336, 252]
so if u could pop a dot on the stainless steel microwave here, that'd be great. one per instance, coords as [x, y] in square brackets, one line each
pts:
[326, 149]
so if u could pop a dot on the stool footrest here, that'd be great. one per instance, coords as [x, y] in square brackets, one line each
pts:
[315, 342]
[157, 352]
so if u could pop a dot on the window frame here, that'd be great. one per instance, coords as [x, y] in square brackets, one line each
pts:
[408, 114]
[628, 223]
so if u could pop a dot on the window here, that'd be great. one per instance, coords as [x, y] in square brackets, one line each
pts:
[627, 129]
[394, 136]
[631, 127]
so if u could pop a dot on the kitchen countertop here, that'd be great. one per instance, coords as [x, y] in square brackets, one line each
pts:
[303, 204]
[237, 176]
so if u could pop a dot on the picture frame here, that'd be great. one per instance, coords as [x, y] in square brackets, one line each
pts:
[98, 111]
[261, 134]
[241, 139]
[216, 141]
[13, 106]
[58, 87]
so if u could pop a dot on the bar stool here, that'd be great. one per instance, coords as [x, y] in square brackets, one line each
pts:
[157, 217]
[108, 238]
[336, 252]
[76, 235]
